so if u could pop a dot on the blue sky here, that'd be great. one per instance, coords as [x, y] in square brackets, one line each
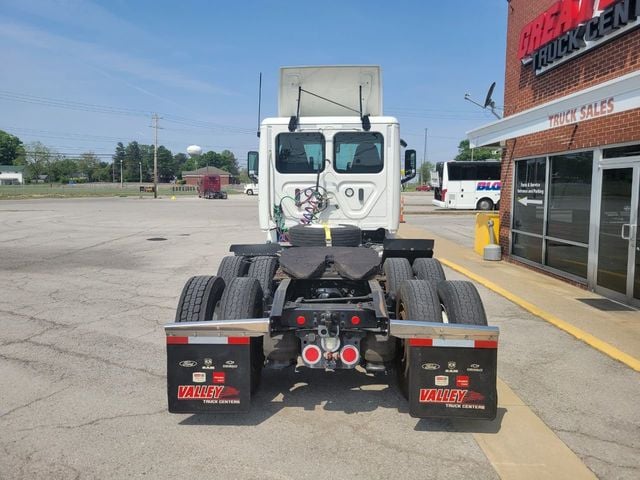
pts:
[197, 63]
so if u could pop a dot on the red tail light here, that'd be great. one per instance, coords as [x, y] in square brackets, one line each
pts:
[355, 320]
[350, 355]
[311, 354]
[300, 320]
[444, 195]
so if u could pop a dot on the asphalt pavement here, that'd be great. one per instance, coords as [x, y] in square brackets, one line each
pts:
[85, 288]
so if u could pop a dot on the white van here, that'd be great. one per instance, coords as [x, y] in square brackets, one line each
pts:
[467, 185]
[251, 189]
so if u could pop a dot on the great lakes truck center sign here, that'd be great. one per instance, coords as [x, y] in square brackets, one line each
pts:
[572, 27]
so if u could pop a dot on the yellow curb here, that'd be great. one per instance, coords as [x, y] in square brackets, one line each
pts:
[587, 338]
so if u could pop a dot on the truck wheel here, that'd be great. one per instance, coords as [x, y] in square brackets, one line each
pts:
[263, 269]
[462, 303]
[314, 236]
[249, 192]
[397, 270]
[417, 300]
[484, 204]
[232, 267]
[428, 269]
[243, 299]
[199, 299]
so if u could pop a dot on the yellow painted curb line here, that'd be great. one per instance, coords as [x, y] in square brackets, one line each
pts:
[580, 334]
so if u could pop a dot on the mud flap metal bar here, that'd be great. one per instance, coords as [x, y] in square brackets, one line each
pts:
[452, 369]
[252, 327]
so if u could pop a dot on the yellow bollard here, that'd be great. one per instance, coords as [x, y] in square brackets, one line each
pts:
[173, 197]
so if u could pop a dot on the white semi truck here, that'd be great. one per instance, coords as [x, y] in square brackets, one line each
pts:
[333, 287]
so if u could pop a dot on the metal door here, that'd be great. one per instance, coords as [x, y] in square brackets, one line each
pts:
[618, 258]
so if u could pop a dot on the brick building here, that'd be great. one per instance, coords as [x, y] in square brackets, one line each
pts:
[571, 138]
[192, 177]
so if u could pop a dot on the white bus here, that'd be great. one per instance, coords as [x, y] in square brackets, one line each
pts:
[467, 185]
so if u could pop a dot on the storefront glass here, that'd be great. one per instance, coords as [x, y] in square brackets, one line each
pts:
[561, 243]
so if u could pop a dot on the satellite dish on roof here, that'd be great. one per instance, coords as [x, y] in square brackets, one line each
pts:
[488, 102]
[194, 150]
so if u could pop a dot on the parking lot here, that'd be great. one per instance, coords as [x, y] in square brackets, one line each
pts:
[86, 287]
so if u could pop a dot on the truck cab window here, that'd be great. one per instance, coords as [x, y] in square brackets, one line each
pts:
[358, 152]
[300, 152]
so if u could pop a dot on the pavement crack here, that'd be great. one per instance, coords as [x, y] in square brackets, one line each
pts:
[39, 399]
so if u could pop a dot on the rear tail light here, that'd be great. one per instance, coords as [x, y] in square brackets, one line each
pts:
[444, 195]
[311, 354]
[355, 320]
[350, 355]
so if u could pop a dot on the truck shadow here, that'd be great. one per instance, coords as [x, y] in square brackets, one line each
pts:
[345, 391]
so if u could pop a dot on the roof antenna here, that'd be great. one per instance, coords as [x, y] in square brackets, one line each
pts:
[366, 123]
[293, 121]
[259, 101]
[488, 102]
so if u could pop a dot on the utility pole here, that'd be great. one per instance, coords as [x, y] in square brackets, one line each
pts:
[121, 179]
[140, 186]
[424, 154]
[155, 155]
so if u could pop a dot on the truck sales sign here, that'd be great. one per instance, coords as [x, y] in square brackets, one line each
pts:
[572, 27]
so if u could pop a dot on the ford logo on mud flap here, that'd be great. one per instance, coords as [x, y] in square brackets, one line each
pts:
[430, 366]
[188, 363]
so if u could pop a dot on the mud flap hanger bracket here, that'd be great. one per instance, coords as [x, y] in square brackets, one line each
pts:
[253, 327]
[443, 331]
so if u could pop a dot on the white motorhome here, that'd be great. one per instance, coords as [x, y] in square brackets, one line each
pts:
[331, 157]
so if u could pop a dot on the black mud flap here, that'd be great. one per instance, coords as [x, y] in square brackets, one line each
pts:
[453, 382]
[208, 374]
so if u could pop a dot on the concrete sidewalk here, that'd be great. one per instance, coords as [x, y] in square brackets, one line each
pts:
[615, 333]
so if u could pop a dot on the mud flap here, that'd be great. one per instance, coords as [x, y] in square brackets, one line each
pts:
[208, 374]
[452, 381]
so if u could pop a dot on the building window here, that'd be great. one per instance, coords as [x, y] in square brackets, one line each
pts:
[570, 197]
[619, 152]
[528, 204]
[563, 202]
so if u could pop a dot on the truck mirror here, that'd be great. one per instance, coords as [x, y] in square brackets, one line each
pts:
[409, 162]
[252, 163]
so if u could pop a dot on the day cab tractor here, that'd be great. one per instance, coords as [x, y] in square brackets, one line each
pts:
[333, 287]
[209, 187]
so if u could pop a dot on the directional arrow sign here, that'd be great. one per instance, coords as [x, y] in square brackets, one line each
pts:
[526, 202]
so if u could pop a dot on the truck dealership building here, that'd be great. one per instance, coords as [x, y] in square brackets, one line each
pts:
[571, 138]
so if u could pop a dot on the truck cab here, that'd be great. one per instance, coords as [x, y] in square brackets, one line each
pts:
[331, 157]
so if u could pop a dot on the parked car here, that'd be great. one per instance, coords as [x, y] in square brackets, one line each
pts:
[424, 188]
[251, 189]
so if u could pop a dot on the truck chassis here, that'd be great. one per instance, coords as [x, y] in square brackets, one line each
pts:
[375, 310]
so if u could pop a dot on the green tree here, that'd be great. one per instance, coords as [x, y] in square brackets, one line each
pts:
[88, 163]
[63, 169]
[166, 165]
[482, 153]
[38, 161]
[118, 159]
[11, 149]
[133, 157]
[425, 172]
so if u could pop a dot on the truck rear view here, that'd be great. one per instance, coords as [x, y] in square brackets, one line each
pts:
[333, 288]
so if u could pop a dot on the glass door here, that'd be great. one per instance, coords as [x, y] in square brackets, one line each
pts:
[618, 246]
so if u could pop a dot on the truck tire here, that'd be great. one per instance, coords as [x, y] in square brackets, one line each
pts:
[397, 270]
[418, 300]
[232, 267]
[314, 236]
[199, 299]
[461, 302]
[484, 204]
[428, 269]
[249, 192]
[263, 269]
[243, 299]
